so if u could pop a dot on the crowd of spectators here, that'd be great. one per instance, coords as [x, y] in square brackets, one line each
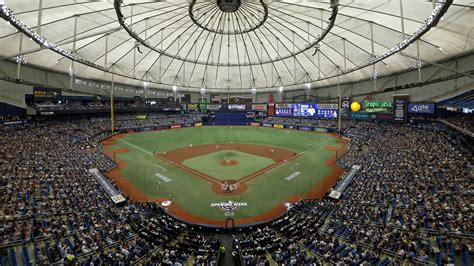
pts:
[54, 207]
[95, 105]
[411, 200]
[302, 121]
[462, 123]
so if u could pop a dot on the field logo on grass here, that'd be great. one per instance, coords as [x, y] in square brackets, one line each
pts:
[229, 206]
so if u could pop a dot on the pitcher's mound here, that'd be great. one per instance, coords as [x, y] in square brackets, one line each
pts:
[229, 162]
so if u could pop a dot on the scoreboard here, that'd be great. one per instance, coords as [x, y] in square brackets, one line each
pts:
[325, 111]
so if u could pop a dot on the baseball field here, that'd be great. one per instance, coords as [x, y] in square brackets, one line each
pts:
[258, 169]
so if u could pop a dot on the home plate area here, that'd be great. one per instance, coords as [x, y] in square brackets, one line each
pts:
[228, 188]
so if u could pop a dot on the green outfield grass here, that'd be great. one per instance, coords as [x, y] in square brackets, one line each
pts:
[210, 164]
[194, 194]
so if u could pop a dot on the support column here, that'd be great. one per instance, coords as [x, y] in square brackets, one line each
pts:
[419, 61]
[402, 20]
[20, 57]
[339, 101]
[112, 114]
[40, 17]
[373, 54]
[72, 71]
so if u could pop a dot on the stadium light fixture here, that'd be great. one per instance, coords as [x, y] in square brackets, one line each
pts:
[440, 9]
[174, 88]
[280, 89]
[145, 84]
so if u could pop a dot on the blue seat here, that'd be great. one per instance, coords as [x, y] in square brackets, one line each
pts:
[13, 260]
[26, 256]
[465, 257]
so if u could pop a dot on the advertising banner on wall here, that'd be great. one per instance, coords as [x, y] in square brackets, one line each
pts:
[216, 98]
[306, 128]
[259, 107]
[45, 94]
[345, 108]
[214, 107]
[377, 106]
[327, 113]
[193, 106]
[421, 108]
[360, 116]
[400, 108]
[327, 106]
[305, 109]
[236, 106]
[284, 109]
[381, 117]
[278, 126]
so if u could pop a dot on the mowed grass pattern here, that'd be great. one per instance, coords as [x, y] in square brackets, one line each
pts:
[194, 194]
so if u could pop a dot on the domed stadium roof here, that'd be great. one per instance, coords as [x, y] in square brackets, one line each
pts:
[234, 45]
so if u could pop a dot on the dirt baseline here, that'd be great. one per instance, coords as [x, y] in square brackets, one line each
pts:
[179, 155]
[136, 195]
[278, 155]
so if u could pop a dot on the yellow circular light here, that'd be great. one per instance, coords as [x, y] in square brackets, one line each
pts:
[355, 106]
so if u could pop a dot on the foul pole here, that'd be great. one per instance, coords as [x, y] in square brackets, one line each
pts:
[112, 118]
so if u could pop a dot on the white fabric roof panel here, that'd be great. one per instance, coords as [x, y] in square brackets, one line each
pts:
[197, 44]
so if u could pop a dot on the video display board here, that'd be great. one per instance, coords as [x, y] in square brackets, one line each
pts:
[284, 109]
[45, 94]
[326, 111]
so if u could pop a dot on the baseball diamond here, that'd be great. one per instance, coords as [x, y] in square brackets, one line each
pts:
[236, 132]
[263, 159]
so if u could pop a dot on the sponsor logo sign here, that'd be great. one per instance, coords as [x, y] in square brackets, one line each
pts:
[421, 108]
[44, 94]
[332, 106]
[193, 106]
[198, 124]
[267, 125]
[278, 126]
[360, 116]
[7, 123]
[229, 206]
[284, 105]
[382, 117]
[284, 111]
[253, 124]
[377, 106]
[400, 111]
[306, 128]
[214, 106]
[259, 107]
[236, 106]
[175, 126]
[345, 107]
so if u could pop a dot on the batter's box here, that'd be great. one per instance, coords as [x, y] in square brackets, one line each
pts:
[230, 187]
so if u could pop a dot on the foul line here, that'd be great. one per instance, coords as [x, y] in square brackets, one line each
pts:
[189, 170]
[143, 150]
[170, 162]
[135, 146]
[286, 161]
[215, 181]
